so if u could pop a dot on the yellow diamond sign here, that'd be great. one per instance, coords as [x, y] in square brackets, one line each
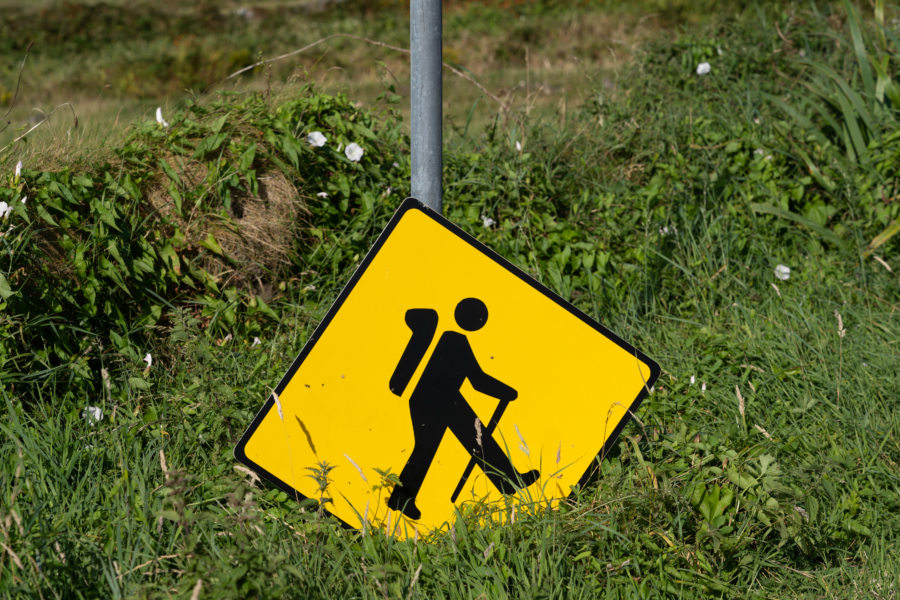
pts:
[444, 376]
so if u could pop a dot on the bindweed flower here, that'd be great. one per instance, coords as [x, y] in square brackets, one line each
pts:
[256, 342]
[693, 380]
[322, 194]
[92, 414]
[782, 272]
[24, 198]
[703, 68]
[18, 172]
[159, 117]
[148, 358]
[5, 209]
[353, 152]
[518, 146]
[487, 222]
[316, 139]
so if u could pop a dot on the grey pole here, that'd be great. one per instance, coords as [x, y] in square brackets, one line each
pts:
[425, 33]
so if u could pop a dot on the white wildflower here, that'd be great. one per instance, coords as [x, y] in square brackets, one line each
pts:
[782, 272]
[703, 68]
[395, 165]
[316, 139]
[487, 222]
[322, 194]
[5, 209]
[92, 414]
[159, 117]
[24, 198]
[148, 359]
[518, 146]
[256, 342]
[18, 170]
[693, 379]
[703, 387]
[353, 152]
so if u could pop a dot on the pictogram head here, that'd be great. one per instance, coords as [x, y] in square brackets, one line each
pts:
[471, 314]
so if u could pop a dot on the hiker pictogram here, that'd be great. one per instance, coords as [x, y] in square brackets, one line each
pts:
[370, 394]
[437, 404]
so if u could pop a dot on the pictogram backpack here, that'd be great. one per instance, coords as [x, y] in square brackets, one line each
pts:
[423, 323]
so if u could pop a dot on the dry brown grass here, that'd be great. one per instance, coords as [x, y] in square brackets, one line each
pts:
[257, 236]
[564, 61]
[56, 141]
[537, 66]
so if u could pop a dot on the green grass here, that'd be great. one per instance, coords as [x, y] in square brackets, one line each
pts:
[765, 464]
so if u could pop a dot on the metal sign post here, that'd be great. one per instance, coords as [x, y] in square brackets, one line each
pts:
[425, 32]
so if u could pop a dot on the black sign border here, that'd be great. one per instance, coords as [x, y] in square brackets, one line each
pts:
[413, 204]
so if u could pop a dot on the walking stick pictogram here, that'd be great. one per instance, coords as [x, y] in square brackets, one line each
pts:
[488, 431]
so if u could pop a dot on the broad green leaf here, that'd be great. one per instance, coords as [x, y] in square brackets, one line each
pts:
[5, 290]
[211, 244]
